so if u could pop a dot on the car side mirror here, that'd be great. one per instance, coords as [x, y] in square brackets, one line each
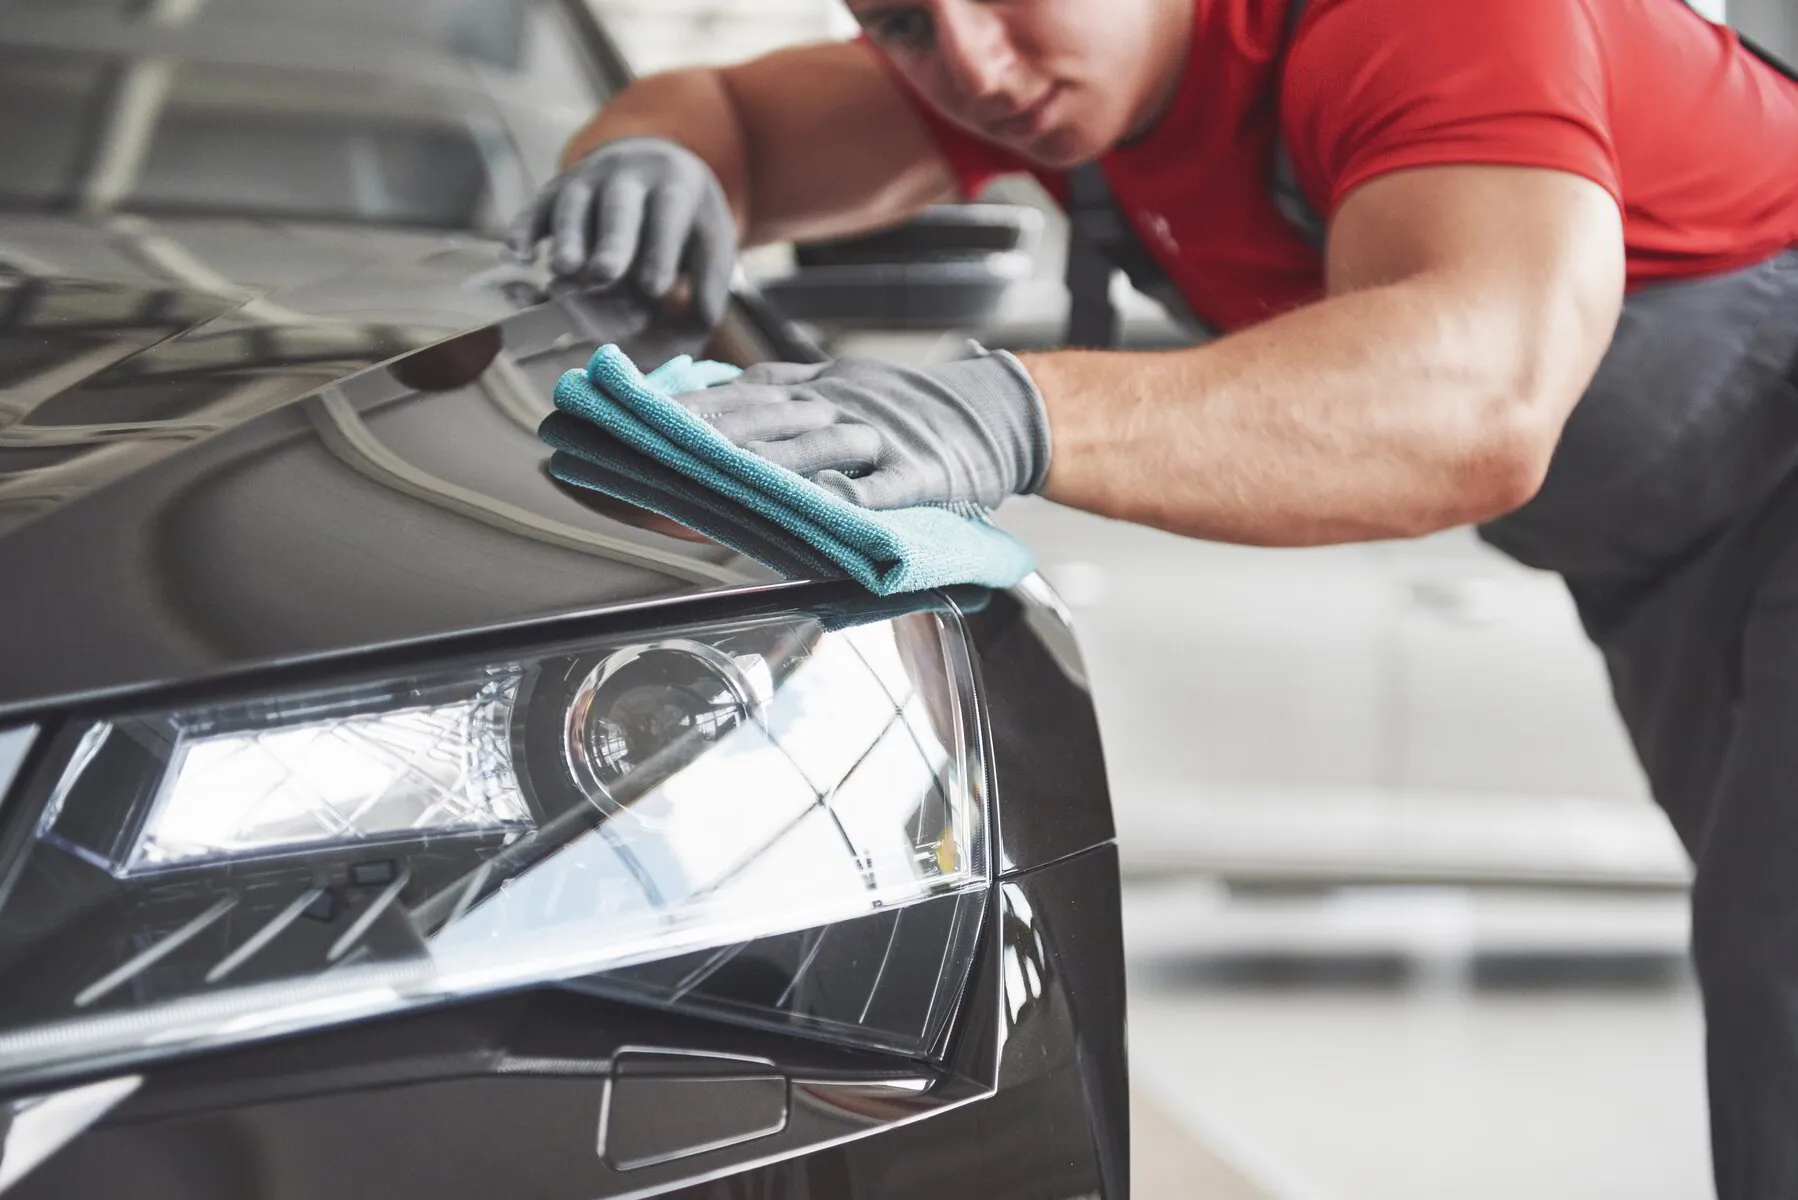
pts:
[950, 267]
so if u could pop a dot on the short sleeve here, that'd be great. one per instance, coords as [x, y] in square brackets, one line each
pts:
[975, 161]
[1376, 86]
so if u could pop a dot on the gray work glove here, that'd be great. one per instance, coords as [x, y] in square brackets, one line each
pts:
[965, 434]
[642, 209]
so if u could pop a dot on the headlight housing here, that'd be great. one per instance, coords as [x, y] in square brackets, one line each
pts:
[211, 874]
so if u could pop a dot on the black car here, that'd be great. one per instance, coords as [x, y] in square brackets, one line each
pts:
[378, 817]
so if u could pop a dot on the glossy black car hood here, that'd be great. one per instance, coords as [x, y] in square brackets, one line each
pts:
[221, 446]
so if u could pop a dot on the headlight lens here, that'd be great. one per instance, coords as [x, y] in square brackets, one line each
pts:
[429, 767]
[218, 873]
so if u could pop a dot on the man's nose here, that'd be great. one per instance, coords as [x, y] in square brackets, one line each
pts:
[975, 47]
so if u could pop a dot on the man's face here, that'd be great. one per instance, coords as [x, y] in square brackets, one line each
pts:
[1058, 81]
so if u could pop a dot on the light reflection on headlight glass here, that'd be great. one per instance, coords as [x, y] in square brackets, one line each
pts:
[211, 874]
[429, 768]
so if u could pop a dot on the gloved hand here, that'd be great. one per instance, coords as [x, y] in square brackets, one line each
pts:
[641, 208]
[966, 433]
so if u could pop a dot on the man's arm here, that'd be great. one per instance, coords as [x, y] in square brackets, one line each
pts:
[811, 142]
[1468, 310]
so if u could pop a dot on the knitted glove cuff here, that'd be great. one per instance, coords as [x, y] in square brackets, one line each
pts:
[998, 390]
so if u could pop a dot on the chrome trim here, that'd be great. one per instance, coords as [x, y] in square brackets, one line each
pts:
[32, 1128]
[14, 745]
[133, 967]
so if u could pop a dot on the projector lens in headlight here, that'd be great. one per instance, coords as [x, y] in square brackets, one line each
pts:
[203, 876]
[643, 711]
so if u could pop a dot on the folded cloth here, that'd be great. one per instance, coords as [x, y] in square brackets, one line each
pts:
[888, 552]
[608, 466]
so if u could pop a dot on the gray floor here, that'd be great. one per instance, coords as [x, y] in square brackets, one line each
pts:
[1362, 1082]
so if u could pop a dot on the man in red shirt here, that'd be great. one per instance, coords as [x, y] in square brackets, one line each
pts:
[1526, 264]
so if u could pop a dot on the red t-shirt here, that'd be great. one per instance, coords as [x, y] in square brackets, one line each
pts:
[1694, 135]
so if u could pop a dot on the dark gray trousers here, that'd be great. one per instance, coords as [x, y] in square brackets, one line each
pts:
[1672, 511]
[1706, 676]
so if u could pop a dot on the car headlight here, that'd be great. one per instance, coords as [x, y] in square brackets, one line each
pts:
[203, 876]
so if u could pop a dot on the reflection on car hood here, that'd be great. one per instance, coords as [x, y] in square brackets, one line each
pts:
[222, 445]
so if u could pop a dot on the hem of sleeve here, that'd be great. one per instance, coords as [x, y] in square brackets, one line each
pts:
[1603, 174]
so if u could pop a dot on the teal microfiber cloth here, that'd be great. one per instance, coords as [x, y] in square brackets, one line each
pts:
[890, 552]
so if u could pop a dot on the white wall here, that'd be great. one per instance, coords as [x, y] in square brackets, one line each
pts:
[1772, 22]
[665, 33]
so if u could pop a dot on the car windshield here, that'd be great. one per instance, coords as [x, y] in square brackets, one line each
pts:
[442, 114]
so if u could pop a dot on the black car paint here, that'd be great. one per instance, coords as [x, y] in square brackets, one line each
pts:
[236, 505]
[239, 460]
[503, 1097]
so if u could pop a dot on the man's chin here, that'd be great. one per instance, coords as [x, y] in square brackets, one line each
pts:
[1059, 149]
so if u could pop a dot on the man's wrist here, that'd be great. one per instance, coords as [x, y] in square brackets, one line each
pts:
[1041, 440]
[1063, 380]
[999, 391]
[1040, 369]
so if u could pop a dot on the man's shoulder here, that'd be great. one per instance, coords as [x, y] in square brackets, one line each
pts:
[1341, 50]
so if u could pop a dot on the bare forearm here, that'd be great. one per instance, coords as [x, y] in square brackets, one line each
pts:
[1389, 412]
[808, 142]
